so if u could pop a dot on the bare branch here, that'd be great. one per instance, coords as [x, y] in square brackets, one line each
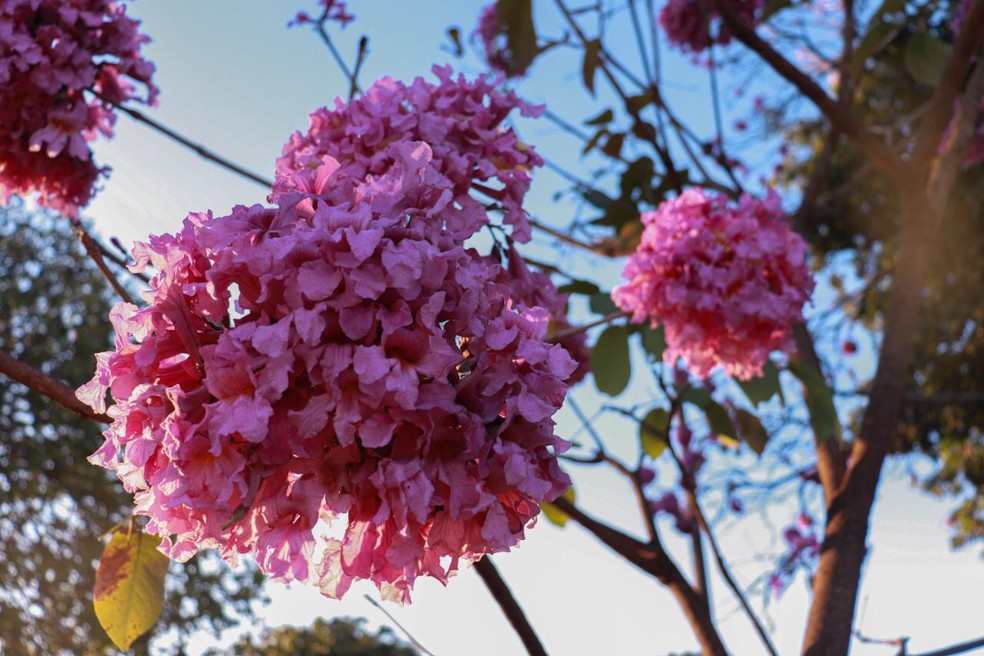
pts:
[45, 385]
[510, 607]
[202, 151]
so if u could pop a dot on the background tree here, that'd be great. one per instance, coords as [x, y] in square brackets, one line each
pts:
[335, 637]
[54, 506]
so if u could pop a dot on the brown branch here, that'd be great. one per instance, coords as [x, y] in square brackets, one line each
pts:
[658, 564]
[830, 448]
[844, 549]
[48, 386]
[507, 602]
[954, 73]
[202, 151]
[726, 574]
[839, 114]
[95, 253]
[565, 238]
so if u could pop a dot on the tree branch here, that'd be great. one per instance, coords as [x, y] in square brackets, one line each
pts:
[844, 549]
[838, 114]
[202, 151]
[657, 563]
[45, 385]
[507, 602]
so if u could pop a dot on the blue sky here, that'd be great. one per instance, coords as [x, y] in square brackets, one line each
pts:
[233, 77]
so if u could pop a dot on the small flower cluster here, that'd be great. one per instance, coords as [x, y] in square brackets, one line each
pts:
[726, 282]
[694, 25]
[331, 10]
[803, 551]
[342, 355]
[495, 42]
[51, 54]
[461, 121]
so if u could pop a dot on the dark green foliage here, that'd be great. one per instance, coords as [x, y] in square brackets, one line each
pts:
[54, 505]
[338, 637]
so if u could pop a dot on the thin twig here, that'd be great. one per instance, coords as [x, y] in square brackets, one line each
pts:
[96, 255]
[510, 607]
[413, 641]
[359, 60]
[574, 330]
[202, 151]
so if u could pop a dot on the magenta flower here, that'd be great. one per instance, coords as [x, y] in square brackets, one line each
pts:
[726, 282]
[693, 25]
[63, 65]
[340, 358]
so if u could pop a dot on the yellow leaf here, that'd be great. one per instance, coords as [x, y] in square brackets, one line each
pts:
[129, 592]
[554, 514]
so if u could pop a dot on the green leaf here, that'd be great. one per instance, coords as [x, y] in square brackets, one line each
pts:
[602, 304]
[582, 287]
[592, 57]
[717, 416]
[516, 16]
[652, 432]
[129, 590]
[596, 198]
[610, 363]
[593, 141]
[454, 35]
[751, 430]
[613, 147]
[819, 400]
[603, 118]
[653, 341]
[761, 389]
[554, 514]
[925, 57]
[636, 104]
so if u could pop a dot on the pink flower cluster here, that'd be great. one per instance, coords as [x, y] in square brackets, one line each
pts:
[495, 42]
[694, 25]
[51, 53]
[342, 355]
[461, 121]
[726, 282]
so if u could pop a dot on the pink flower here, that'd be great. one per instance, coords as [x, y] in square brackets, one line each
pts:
[63, 65]
[726, 282]
[495, 42]
[691, 24]
[342, 357]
